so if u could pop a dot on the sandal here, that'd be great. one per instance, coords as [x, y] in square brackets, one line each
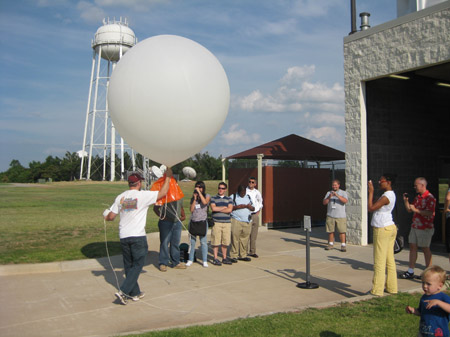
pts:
[407, 275]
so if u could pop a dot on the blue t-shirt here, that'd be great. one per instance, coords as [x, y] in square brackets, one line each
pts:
[221, 202]
[434, 321]
[243, 214]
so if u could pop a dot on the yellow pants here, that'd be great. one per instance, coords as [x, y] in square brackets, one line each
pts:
[383, 256]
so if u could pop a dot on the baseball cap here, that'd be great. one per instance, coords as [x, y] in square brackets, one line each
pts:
[134, 178]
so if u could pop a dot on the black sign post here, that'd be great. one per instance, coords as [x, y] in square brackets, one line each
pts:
[307, 284]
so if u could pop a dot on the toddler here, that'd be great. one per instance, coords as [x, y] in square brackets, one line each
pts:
[434, 306]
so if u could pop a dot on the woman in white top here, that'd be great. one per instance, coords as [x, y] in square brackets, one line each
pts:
[384, 234]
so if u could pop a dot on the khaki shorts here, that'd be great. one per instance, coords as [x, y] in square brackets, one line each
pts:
[339, 223]
[421, 237]
[221, 234]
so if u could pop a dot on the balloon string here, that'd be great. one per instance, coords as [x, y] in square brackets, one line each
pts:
[109, 258]
[107, 251]
[164, 207]
[163, 215]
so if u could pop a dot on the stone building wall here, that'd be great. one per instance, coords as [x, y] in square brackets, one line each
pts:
[414, 41]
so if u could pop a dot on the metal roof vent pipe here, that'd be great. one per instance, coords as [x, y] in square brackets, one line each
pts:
[364, 20]
[353, 16]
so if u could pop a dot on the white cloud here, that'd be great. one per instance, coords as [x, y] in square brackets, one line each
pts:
[326, 134]
[234, 136]
[328, 118]
[257, 101]
[296, 94]
[294, 74]
[320, 120]
[319, 92]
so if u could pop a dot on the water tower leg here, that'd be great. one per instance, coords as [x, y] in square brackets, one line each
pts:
[86, 124]
[113, 152]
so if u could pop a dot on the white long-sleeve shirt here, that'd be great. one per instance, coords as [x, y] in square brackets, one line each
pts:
[257, 199]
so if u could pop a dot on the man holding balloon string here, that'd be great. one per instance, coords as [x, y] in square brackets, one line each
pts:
[132, 205]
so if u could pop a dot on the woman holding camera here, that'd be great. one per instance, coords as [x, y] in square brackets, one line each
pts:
[198, 225]
[384, 233]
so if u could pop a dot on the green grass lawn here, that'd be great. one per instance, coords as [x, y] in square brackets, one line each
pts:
[377, 317]
[63, 221]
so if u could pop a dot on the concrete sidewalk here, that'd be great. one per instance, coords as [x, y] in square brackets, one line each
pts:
[77, 298]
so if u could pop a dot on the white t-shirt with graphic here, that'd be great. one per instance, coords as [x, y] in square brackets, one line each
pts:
[132, 205]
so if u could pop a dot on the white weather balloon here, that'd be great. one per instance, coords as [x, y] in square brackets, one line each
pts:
[168, 98]
[189, 172]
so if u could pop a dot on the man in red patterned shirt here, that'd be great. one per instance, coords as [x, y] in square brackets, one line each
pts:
[422, 228]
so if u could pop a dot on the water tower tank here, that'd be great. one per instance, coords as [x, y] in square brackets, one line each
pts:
[115, 39]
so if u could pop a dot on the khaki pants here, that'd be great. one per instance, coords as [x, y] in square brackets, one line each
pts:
[383, 256]
[254, 232]
[221, 234]
[240, 232]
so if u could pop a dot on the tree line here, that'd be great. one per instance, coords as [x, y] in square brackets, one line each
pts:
[68, 167]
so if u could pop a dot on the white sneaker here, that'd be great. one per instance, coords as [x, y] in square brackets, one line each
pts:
[205, 264]
[138, 297]
[189, 263]
[122, 298]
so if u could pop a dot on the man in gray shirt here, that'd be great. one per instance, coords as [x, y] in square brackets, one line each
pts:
[335, 201]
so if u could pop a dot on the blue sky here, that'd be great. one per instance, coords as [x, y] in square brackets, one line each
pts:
[283, 59]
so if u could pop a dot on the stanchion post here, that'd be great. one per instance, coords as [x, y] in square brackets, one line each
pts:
[307, 228]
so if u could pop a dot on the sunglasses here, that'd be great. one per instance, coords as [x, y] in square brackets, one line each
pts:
[222, 188]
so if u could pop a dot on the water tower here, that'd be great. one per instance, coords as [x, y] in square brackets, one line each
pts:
[111, 41]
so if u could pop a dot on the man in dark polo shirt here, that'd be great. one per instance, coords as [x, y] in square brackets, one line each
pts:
[221, 207]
